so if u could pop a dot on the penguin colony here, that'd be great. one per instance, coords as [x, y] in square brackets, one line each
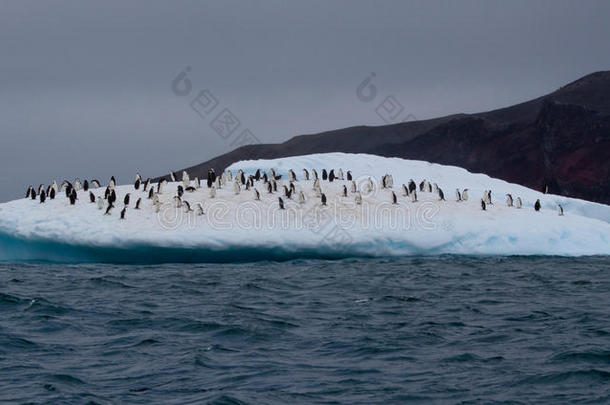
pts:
[145, 192]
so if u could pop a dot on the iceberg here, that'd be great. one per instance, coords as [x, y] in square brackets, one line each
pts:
[237, 227]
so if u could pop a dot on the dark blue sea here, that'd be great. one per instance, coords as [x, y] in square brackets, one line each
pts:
[412, 330]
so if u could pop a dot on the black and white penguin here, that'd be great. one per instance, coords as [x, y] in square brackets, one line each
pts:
[28, 194]
[180, 191]
[197, 182]
[138, 177]
[138, 203]
[187, 206]
[331, 175]
[161, 186]
[109, 209]
[172, 176]
[73, 197]
[441, 195]
[301, 197]
[136, 185]
[305, 174]
[323, 199]
[43, 196]
[126, 199]
[52, 193]
[465, 194]
[274, 183]
[483, 205]
[291, 175]
[349, 176]
[199, 209]
[95, 184]
[315, 174]
[422, 185]
[281, 202]
[178, 201]
[509, 200]
[86, 185]
[190, 189]
[112, 197]
[237, 188]
[257, 175]
[324, 174]
[123, 211]
[151, 192]
[394, 198]
[269, 188]
[353, 187]
[519, 203]
[112, 182]
[458, 195]
[559, 210]
[414, 196]
[340, 174]
[429, 187]
[344, 190]
[91, 197]
[257, 195]
[537, 205]
[265, 178]
[545, 189]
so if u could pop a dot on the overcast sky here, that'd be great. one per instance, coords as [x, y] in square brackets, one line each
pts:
[86, 87]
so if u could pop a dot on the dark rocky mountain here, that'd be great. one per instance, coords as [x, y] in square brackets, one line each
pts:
[561, 140]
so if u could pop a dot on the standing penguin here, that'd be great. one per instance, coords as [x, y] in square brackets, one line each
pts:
[537, 205]
[483, 205]
[305, 174]
[91, 197]
[126, 199]
[29, 192]
[441, 195]
[559, 210]
[281, 202]
[509, 200]
[349, 175]
[458, 195]
[331, 175]
[123, 212]
[344, 190]
[52, 193]
[138, 203]
[465, 194]
[324, 174]
[43, 196]
[394, 198]
[519, 203]
[414, 196]
[86, 185]
[301, 198]
[323, 198]
[257, 195]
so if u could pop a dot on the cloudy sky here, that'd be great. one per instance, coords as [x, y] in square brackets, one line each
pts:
[86, 87]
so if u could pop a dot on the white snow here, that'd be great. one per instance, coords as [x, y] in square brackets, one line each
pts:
[236, 227]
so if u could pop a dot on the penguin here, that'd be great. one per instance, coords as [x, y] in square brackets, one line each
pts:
[73, 198]
[349, 175]
[91, 197]
[315, 174]
[323, 199]
[353, 187]
[324, 174]
[52, 193]
[146, 185]
[281, 202]
[218, 183]
[43, 197]
[178, 201]
[483, 205]
[199, 209]
[151, 192]
[126, 199]
[441, 195]
[257, 195]
[429, 187]
[229, 175]
[274, 186]
[537, 205]
[265, 178]
[242, 178]
[123, 211]
[138, 177]
[414, 196]
[344, 190]
[190, 189]
[358, 199]
[212, 192]
[95, 184]
[136, 185]
[28, 194]
[545, 189]
[172, 176]
[458, 195]
[412, 186]
[489, 197]
[109, 209]
[197, 182]
[316, 184]
[257, 175]
[112, 182]
[237, 188]
[68, 190]
[301, 198]
[383, 181]
[77, 185]
[112, 197]
[559, 210]
[161, 186]
[180, 191]
[187, 206]
[138, 203]
[519, 203]
[509, 200]
[465, 194]
[100, 203]
[394, 198]
[331, 176]
[436, 188]
[86, 185]
[422, 185]
[390, 181]
[272, 171]
[291, 175]
[405, 190]
[305, 174]
[340, 174]
[186, 180]
[269, 188]
[293, 189]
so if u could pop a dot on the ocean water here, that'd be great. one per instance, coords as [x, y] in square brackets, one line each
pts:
[410, 330]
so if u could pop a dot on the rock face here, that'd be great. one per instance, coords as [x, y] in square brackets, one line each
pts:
[561, 140]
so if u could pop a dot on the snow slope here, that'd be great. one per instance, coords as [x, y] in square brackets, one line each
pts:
[235, 227]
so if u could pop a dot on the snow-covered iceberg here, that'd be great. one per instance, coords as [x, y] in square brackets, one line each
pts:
[236, 227]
